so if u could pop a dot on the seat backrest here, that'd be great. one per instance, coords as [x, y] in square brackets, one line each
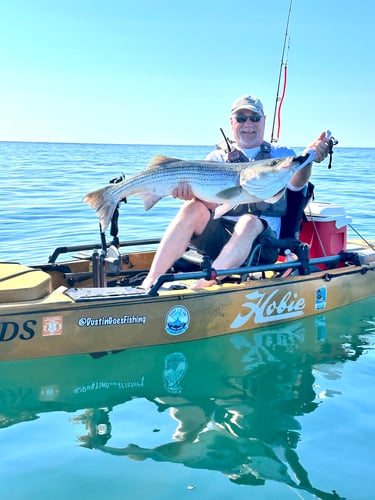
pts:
[296, 203]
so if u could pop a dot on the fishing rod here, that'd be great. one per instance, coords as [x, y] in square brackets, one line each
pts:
[283, 65]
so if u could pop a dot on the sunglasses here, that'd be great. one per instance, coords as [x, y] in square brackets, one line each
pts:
[244, 118]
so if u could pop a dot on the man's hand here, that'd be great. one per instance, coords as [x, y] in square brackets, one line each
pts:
[183, 191]
[320, 146]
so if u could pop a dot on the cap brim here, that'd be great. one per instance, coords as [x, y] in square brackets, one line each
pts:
[254, 109]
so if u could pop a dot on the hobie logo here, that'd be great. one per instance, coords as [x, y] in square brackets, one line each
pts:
[265, 308]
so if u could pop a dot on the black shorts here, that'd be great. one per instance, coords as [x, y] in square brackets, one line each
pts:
[218, 232]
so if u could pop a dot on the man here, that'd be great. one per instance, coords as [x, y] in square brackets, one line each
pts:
[229, 240]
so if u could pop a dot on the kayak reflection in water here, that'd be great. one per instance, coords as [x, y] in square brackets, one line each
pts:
[98, 425]
[250, 432]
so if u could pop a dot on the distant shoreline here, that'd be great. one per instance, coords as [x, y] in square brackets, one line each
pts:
[150, 145]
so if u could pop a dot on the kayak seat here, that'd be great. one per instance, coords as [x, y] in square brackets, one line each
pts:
[193, 260]
[296, 202]
[290, 228]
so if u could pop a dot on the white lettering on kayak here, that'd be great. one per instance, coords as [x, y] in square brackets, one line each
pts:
[268, 307]
[129, 319]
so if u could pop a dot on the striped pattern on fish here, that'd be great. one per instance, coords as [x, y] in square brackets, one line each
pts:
[227, 184]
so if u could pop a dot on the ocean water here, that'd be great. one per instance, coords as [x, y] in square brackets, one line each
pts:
[43, 184]
[285, 413]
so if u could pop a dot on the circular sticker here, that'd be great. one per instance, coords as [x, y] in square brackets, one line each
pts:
[177, 320]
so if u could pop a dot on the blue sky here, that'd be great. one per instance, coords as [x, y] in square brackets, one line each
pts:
[164, 72]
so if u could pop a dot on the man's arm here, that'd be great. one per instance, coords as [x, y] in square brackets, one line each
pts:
[320, 146]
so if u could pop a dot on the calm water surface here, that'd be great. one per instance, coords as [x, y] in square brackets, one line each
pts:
[285, 413]
[43, 184]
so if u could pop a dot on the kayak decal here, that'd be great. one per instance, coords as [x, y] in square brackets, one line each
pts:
[127, 319]
[266, 307]
[52, 325]
[114, 384]
[177, 320]
[321, 298]
[10, 330]
[175, 367]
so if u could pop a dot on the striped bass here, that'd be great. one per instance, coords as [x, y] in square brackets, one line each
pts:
[227, 184]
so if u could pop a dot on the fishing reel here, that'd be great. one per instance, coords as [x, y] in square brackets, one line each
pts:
[331, 142]
[114, 221]
[116, 180]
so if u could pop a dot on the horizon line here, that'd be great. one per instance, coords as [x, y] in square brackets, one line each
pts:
[146, 144]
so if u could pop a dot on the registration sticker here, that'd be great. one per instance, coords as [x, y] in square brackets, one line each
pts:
[52, 325]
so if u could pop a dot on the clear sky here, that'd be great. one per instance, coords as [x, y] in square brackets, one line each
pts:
[166, 72]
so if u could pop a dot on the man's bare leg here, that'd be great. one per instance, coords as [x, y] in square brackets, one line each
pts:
[192, 218]
[234, 253]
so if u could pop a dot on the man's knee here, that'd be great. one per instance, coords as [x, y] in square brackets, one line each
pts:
[195, 207]
[197, 211]
[250, 224]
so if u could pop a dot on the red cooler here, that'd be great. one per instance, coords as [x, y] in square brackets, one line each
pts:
[325, 230]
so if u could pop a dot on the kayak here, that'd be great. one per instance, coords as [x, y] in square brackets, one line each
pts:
[91, 301]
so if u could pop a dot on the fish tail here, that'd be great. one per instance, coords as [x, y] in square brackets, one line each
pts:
[103, 201]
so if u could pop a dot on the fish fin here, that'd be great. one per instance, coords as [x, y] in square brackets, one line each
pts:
[267, 193]
[161, 160]
[229, 193]
[104, 204]
[223, 209]
[149, 200]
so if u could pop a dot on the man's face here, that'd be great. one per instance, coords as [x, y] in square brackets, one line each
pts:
[247, 134]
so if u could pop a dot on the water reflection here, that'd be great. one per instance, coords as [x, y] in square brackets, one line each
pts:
[236, 400]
